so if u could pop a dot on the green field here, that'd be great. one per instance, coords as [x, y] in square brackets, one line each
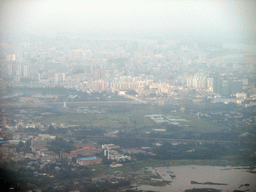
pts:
[133, 118]
[135, 166]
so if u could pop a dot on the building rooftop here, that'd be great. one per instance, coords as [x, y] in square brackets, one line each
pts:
[87, 158]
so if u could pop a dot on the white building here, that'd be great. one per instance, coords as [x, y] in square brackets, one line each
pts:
[11, 57]
[241, 95]
[59, 77]
[25, 71]
[110, 146]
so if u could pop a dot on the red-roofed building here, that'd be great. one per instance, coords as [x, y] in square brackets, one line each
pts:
[85, 151]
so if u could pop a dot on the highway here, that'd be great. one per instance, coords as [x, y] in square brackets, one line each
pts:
[77, 103]
[135, 98]
[168, 139]
[94, 103]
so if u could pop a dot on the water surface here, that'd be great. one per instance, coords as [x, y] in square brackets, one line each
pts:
[185, 174]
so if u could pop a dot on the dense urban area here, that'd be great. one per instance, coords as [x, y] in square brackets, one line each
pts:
[81, 113]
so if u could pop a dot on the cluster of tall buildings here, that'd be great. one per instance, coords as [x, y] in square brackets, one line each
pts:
[99, 85]
[227, 86]
[13, 69]
[146, 67]
[79, 55]
[199, 81]
[126, 82]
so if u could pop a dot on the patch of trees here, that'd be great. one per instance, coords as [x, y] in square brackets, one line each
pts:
[127, 142]
[52, 130]
[165, 135]
[188, 135]
[223, 136]
[121, 108]
[82, 132]
[25, 147]
[172, 128]
[131, 92]
[60, 145]
[107, 186]
[189, 151]
[142, 156]
[32, 130]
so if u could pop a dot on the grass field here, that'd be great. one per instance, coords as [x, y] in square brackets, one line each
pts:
[133, 118]
[135, 166]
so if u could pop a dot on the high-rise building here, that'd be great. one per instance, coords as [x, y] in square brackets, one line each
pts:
[210, 84]
[59, 77]
[202, 58]
[225, 88]
[95, 86]
[103, 85]
[11, 57]
[98, 74]
[25, 71]
[217, 84]
[77, 54]
[87, 69]
[19, 70]
[230, 87]
[236, 86]
[10, 70]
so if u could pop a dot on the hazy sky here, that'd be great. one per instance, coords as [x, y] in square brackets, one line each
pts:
[199, 18]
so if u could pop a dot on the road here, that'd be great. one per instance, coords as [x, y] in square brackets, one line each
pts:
[135, 98]
[77, 103]
[168, 139]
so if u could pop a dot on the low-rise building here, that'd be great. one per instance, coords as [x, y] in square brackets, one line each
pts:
[116, 165]
[49, 155]
[85, 151]
[110, 146]
[88, 160]
[38, 148]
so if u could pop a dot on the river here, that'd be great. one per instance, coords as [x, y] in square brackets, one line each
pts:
[232, 176]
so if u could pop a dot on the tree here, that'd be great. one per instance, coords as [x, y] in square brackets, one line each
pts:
[131, 92]
[60, 144]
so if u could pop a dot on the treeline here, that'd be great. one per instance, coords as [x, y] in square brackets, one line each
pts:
[190, 151]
